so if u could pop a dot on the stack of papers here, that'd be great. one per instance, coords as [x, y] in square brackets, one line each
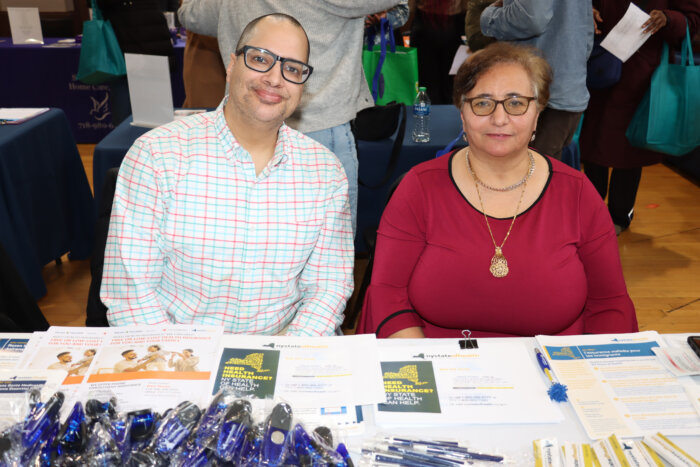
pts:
[13, 116]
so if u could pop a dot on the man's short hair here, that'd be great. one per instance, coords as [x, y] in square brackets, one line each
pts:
[126, 352]
[188, 350]
[154, 345]
[62, 354]
[250, 29]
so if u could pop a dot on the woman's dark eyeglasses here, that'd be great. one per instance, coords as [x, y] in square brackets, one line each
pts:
[262, 60]
[515, 105]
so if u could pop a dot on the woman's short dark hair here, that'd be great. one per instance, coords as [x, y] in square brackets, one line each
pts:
[498, 53]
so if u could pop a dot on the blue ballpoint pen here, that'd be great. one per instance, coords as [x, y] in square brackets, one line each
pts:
[557, 391]
[451, 447]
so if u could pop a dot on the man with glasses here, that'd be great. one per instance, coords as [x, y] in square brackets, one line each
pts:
[338, 88]
[231, 218]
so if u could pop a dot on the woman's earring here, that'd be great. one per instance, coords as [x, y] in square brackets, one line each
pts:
[464, 137]
[533, 137]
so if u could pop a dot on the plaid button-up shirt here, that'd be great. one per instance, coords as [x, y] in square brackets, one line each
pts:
[196, 237]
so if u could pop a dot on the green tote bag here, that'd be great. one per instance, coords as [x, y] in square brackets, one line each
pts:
[668, 117]
[101, 59]
[392, 74]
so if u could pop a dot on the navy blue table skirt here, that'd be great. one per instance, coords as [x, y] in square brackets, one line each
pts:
[373, 157]
[46, 207]
[44, 76]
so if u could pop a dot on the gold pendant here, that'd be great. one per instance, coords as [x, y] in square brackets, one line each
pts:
[499, 265]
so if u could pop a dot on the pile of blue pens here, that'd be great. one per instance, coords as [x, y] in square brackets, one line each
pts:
[224, 433]
[393, 451]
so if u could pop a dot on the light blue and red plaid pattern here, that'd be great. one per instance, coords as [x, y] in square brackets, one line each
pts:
[196, 237]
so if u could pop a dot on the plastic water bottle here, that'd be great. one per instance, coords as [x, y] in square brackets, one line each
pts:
[421, 117]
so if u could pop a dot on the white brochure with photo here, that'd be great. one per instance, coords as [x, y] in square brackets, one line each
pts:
[436, 382]
[154, 367]
[66, 349]
[618, 386]
[25, 25]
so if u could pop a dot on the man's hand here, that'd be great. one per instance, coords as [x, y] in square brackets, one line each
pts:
[657, 20]
[497, 3]
[596, 19]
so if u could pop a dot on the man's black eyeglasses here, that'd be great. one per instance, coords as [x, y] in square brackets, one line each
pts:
[261, 60]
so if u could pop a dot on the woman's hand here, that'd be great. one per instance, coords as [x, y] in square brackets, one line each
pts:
[657, 20]
[372, 20]
[409, 333]
[596, 19]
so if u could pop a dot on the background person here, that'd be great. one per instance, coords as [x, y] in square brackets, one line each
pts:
[80, 367]
[140, 28]
[610, 111]
[338, 88]
[436, 30]
[63, 363]
[186, 362]
[155, 358]
[129, 363]
[496, 238]
[563, 31]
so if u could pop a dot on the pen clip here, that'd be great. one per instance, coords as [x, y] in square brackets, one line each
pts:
[468, 342]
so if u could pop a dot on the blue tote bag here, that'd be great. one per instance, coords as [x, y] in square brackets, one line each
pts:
[101, 59]
[668, 117]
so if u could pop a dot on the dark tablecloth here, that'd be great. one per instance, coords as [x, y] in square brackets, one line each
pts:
[46, 207]
[44, 76]
[373, 157]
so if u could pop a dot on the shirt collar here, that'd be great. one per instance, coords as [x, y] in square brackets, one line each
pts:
[283, 148]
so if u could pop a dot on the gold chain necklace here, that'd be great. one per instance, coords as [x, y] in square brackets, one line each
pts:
[514, 185]
[499, 264]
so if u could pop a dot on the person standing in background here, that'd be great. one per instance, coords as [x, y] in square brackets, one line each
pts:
[141, 28]
[603, 141]
[436, 30]
[338, 88]
[396, 17]
[476, 40]
[563, 31]
[203, 72]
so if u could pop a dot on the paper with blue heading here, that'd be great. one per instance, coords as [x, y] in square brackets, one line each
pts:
[617, 385]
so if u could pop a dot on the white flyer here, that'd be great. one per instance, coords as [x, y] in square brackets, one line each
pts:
[25, 25]
[70, 350]
[14, 386]
[154, 367]
[150, 90]
[627, 36]
[338, 371]
[435, 382]
[11, 347]
[617, 385]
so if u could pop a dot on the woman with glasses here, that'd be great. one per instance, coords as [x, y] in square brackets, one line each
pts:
[495, 238]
